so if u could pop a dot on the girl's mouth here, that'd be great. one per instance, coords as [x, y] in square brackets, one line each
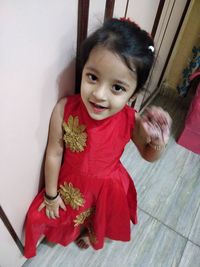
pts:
[97, 108]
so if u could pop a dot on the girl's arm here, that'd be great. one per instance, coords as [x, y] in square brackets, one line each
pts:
[151, 133]
[53, 161]
[54, 151]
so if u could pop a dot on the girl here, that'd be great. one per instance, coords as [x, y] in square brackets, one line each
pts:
[87, 187]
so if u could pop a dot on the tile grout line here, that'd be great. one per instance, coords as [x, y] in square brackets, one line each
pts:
[182, 254]
[186, 238]
[192, 226]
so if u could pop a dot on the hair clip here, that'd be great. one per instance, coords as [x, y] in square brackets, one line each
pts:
[123, 19]
[151, 48]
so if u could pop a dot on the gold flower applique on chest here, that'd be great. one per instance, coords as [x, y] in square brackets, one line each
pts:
[75, 136]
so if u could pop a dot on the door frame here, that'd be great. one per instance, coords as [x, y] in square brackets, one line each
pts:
[160, 30]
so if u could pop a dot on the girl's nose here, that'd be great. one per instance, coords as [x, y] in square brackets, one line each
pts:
[100, 92]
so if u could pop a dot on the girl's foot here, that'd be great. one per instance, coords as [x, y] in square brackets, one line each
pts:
[82, 242]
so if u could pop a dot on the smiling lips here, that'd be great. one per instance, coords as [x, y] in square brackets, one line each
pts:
[97, 108]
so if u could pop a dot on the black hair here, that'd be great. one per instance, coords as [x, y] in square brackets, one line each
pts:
[127, 40]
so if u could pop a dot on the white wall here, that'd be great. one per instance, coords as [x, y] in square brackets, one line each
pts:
[143, 12]
[9, 252]
[37, 44]
[97, 9]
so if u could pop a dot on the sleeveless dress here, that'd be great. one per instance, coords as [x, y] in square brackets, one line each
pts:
[98, 192]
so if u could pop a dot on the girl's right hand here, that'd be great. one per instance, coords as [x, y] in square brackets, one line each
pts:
[52, 207]
[156, 125]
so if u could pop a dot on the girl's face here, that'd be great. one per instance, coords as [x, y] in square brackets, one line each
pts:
[107, 83]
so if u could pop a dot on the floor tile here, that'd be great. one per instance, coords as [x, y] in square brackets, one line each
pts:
[191, 256]
[172, 197]
[195, 231]
[168, 189]
[152, 245]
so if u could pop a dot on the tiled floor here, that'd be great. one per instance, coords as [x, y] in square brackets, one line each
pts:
[168, 232]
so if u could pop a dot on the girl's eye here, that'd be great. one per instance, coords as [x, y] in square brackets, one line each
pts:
[91, 77]
[118, 88]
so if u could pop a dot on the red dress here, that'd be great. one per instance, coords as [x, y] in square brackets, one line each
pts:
[98, 192]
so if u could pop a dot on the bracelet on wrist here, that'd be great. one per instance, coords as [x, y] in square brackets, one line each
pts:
[50, 204]
[156, 147]
[50, 197]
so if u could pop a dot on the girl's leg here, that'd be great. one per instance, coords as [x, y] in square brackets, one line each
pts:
[83, 240]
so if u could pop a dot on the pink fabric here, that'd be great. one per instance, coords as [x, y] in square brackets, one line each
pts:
[190, 136]
[194, 75]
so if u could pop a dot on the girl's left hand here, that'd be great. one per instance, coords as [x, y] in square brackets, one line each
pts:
[156, 125]
[52, 207]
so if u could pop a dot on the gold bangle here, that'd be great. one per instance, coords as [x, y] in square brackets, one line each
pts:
[50, 204]
[156, 147]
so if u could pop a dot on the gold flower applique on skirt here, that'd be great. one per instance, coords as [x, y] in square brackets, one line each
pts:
[75, 136]
[71, 196]
[80, 218]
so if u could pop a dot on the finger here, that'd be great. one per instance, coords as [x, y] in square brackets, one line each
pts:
[154, 117]
[62, 205]
[156, 136]
[150, 130]
[47, 213]
[157, 117]
[41, 206]
[158, 114]
[159, 126]
[166, 135]
[52, 214]
[56, 213]
[165, 118]
[149, 116]
[156, 133]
